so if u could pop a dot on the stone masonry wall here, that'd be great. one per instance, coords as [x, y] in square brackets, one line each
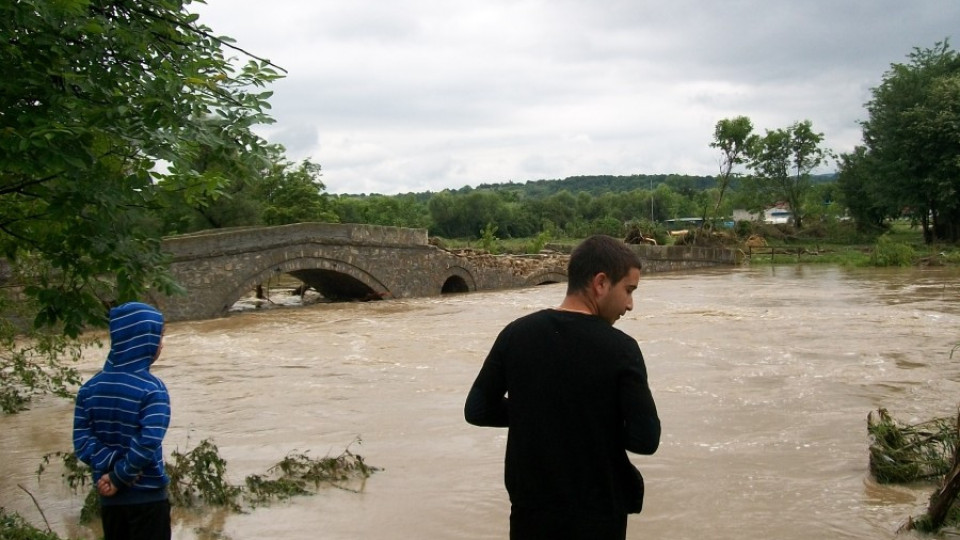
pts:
[217, 267]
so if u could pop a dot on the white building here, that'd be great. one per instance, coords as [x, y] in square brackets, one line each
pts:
[779, 213]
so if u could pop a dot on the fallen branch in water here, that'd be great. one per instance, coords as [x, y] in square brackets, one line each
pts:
[908, 453]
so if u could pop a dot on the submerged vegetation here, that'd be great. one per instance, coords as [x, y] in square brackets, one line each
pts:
[199, 479]
[908, 453]
[926, 451]
[14, 527]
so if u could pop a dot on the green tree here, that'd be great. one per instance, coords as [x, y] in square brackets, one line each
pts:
[293, 193]
[560, 209]
[394, 211]
[443, 215]
[912, 141]
[465, 215]
[667, 203]
[856, 180]
[103, 106]
[782, 161]
[732, 137]
[280, 192]
[825, 202]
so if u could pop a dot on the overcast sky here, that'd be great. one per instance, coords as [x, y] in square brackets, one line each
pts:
[415, 95]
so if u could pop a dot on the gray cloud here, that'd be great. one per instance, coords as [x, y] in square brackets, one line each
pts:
[429, 94]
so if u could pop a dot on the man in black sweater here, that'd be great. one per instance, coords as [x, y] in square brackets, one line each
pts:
[573, 392]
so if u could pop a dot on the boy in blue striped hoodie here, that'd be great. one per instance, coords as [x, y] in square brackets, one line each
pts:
[121, 416]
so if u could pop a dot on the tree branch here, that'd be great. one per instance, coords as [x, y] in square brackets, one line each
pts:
[35, 503]
[195, 30]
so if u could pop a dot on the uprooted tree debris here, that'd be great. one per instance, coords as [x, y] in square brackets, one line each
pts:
[926, 451]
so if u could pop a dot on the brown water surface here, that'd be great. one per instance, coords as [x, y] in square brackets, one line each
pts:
[763, 377]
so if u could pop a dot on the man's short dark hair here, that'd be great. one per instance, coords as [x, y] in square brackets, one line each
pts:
[596, 254]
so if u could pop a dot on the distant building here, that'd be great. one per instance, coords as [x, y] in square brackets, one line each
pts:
[778, 213]
[682, 223]
[694, 223]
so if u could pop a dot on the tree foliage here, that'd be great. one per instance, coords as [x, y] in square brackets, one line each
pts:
[104, 107]
[293, 193]
[518, 215]
[909, 163]
[733, 137]
[406, 210]
[783, 161]
[282, 192]
[112, 103]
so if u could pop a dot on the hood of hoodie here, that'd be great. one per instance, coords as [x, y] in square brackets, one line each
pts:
[136, 330]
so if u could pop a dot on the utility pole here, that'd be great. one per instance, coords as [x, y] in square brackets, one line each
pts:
[651, 200]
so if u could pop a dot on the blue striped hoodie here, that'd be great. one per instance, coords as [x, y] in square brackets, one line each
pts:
[122, 412]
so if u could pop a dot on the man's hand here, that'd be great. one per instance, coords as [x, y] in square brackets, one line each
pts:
[105, 487]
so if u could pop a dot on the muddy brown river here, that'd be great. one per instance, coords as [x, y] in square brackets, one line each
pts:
[763, 377]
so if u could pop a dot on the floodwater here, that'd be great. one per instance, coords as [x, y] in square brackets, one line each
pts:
[763, 377]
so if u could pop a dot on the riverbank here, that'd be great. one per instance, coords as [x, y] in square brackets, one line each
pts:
[839, 243]
[902, 245]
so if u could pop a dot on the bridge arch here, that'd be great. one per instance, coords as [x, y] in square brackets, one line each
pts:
[458, 280]
[334, 279]
[546, 278]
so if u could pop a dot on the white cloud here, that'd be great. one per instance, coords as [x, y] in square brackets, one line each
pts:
[417, 95]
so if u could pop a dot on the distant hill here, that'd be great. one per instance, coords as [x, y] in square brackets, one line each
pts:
[600, 184]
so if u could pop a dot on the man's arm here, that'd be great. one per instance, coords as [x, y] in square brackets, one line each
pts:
[641, 426]
[154, 419]
[484, 409]
[86, 446]
[487, 403]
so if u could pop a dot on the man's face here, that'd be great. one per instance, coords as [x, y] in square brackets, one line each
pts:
[615, 299]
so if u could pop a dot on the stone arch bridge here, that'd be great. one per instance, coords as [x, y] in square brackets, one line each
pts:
[342, 262]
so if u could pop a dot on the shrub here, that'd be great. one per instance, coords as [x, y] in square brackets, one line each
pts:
[887, 252]
[743, 228]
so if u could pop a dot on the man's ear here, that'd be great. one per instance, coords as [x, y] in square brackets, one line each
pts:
[600, 283]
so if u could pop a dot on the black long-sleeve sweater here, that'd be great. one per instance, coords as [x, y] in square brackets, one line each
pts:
[573, 391]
